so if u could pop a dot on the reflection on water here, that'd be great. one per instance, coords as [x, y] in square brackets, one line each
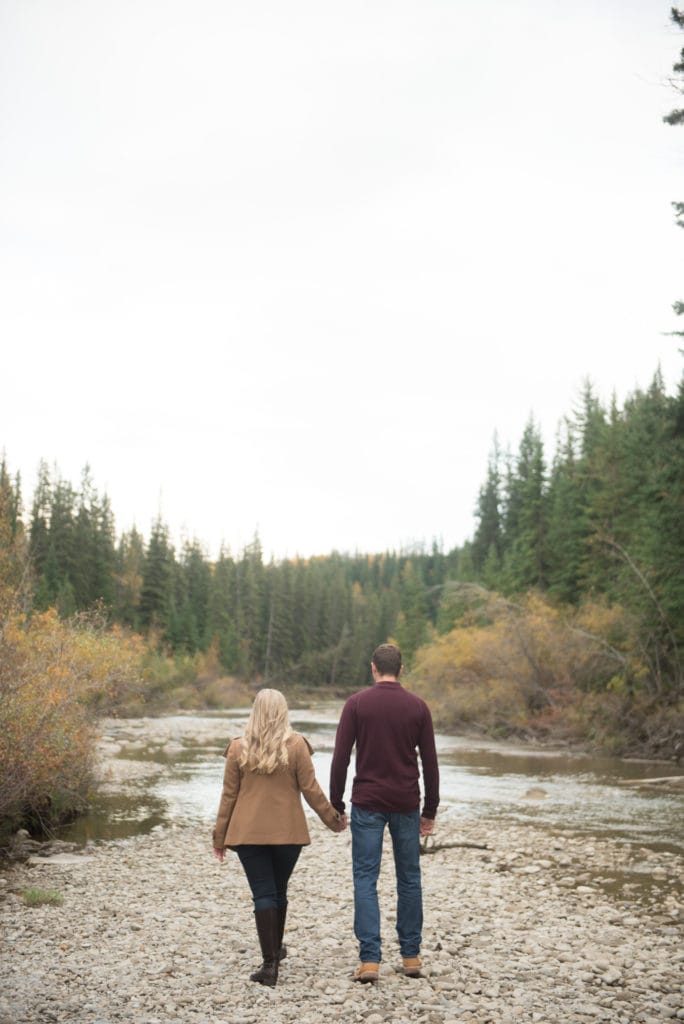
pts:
[118, 816]
[579, 794]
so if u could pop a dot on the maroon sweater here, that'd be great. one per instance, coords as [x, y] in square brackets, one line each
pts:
[387, 723]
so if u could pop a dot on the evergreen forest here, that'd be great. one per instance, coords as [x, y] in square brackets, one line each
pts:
[599, 521]
[561, 619]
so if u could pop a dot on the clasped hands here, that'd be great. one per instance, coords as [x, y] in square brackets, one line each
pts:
[427, 827]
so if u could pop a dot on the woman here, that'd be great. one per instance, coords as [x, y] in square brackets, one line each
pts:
[260, 816]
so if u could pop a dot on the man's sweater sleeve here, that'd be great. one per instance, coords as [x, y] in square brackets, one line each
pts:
[344, 741]
[428, 758]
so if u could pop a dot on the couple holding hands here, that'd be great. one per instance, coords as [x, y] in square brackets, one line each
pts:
[260, 816]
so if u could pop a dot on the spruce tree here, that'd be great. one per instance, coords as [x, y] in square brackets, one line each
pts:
[525, 558]
[12, 540]
[221, 613]
[567, 528]
[412, 626]
[487, 541]
[128, 578]
[39, 540]
[156, 596]
[195, 579]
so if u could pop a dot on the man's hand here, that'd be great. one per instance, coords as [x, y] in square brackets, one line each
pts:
[219, 854]
[427, 826]
[341, 824]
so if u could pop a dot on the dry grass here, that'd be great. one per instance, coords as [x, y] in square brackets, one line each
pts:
[42, 898]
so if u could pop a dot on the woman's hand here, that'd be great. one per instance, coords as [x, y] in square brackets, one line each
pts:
[219, 854]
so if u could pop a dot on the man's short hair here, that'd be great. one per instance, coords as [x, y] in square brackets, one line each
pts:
[387, 659]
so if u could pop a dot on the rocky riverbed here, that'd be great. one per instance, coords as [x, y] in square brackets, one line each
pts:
[535, 927]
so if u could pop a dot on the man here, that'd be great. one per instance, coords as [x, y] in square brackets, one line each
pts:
[389, 725]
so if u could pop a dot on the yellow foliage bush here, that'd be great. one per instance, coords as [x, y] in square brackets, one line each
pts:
[525, 666]
[53, 676]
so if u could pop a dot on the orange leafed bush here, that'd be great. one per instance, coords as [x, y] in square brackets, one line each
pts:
[524, 665]
[53, 676]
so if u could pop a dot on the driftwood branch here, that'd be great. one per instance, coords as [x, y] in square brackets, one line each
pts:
[429, 845]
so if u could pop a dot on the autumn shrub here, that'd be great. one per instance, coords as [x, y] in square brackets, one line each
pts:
[186, 681]
[55, 676]
[624, 724]
[226, 692]
[526, 667]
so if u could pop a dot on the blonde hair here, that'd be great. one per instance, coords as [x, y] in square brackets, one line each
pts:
[268, 728]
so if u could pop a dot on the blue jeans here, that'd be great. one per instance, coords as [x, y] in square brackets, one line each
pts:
[268, 870]
[367, 829]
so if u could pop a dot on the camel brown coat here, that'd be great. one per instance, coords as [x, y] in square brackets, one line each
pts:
[267, 809]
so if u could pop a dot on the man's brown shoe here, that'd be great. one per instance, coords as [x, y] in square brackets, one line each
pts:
[367, 972]
[412, 966]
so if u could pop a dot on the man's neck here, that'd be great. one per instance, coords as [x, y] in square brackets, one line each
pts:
[386, 679]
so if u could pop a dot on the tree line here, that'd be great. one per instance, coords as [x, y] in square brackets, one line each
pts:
[314, 621]
[601, 518]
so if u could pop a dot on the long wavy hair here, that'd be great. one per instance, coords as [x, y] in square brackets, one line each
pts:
[264, 744]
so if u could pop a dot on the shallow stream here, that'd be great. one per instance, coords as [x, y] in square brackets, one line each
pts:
[167, 770]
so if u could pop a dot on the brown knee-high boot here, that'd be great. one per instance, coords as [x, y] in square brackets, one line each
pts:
[282, 914]
[267, 930]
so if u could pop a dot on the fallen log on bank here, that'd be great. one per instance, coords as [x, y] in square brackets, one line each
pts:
[663, 782]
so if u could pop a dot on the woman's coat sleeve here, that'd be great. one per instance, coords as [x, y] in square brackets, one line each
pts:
[311, 791]
[229, 794]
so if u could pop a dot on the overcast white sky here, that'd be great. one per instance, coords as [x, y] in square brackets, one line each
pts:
[288, 266]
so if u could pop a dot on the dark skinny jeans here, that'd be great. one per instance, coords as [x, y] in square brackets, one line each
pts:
[268, 870]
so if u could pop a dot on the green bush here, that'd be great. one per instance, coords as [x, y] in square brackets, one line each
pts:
[42, 898]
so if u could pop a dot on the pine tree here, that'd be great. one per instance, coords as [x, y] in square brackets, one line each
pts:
[128, 578]
[647, 542]
[221, 615]
[156, 596]
[104, 567]
[567, 528]
[63, 541]
[590, 427]
[487, 542]
[524, 542]
[412, 627]
[94, 561]
[39, 540]
[278, 656]
[13, 552]
[249, 610]
[194, 580]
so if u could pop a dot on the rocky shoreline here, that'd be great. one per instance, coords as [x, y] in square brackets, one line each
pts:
[520, 925]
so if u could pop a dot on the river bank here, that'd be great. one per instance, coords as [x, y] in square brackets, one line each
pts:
[153, 930]
[524, 921]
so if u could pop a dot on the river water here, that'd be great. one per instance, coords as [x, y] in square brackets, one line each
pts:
[175, 768]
